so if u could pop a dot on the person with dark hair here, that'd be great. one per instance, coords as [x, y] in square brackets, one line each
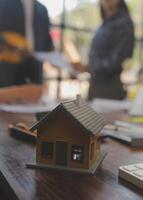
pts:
[112, 44]
[29, 20]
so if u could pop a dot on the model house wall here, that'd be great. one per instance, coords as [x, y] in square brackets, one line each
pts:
[69, 137]
[61, 127]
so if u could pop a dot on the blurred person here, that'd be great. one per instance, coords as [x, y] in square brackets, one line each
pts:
[30, 20]
[112, 44]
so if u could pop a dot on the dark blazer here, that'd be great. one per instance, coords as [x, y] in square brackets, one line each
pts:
[12, 19]
[112, 44]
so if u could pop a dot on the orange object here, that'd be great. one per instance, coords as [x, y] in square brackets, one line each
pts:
[21, 94]
[21, 131]
[14, 47]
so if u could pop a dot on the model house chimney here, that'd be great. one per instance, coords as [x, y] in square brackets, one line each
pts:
[78, 98]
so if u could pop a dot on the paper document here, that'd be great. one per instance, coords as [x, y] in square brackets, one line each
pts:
[55, 58]
[126, 132]
[107, 105]
[29, 108]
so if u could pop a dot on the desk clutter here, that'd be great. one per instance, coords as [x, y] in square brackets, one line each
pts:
[125, 132]
[21, 131]
[119, 130]
[133, 174]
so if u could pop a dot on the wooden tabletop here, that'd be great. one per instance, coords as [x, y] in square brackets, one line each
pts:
[21, 183]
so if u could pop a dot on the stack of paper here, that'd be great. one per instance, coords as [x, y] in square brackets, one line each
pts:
[108, 105]
[126, 132]
[46, 106]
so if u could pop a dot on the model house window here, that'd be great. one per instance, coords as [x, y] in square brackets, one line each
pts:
[77, 153]
[92, 151]
[47, 150]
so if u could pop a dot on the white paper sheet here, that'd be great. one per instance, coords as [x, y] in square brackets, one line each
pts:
[55, 58]
[29, 108]
[107, 105]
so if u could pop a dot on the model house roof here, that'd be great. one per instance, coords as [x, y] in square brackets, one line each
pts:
[83, 113]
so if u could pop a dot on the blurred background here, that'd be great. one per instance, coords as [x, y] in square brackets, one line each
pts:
[74, 22]
[72, 25]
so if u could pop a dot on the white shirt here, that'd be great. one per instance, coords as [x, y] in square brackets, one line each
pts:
[29, 17]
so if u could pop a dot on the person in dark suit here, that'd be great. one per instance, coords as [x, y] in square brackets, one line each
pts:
[28, 18]
[112, 44]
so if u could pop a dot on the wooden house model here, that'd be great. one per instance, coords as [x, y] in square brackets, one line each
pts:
[69, 137]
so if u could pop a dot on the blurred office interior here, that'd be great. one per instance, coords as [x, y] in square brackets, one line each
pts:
[72, 26]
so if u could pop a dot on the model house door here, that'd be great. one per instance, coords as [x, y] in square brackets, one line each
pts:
[61, 153]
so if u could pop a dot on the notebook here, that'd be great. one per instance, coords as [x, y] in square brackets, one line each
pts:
[125, 132]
